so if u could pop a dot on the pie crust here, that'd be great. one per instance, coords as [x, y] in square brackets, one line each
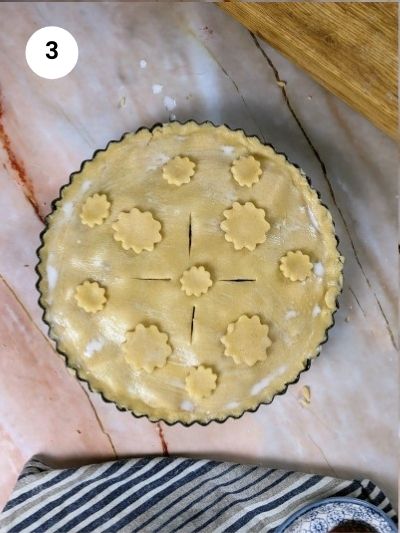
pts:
[189, 273]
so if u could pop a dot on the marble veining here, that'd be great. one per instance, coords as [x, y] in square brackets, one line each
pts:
[192, 61]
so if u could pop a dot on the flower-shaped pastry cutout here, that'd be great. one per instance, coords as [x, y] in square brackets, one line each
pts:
[246, 170]
[95, 210]
[196, 281]
[178, 170]
[296, 266]
[137, 230]
[201, 382]
[246, 340]
[146, 348]
[245, 226]
[90, 296]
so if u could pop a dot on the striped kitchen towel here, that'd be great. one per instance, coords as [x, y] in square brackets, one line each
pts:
[165, 494]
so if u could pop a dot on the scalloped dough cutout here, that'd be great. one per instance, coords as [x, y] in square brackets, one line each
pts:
[178, 170]
[246, 170]
[296, 266]
[246, 340]
[90, 296]
[201, 382]
[146, 348]
[95, 210]
[137, 230]
[245, 226]
[196, 281]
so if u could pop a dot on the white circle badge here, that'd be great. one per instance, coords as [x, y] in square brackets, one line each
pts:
[51, 52]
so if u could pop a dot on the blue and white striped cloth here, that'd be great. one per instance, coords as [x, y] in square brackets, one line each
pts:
[166, 494]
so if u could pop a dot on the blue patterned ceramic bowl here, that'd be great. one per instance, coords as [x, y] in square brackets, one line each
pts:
[323, 515]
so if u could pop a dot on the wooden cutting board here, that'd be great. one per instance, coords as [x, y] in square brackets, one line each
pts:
[350, 48]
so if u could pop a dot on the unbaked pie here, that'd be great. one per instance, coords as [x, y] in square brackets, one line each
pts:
[189, 272]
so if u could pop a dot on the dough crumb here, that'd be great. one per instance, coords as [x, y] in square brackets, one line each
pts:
[281, 83]
[305, 398]
[347, 319]
[122, 101]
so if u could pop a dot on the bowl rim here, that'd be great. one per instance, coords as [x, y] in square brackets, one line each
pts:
[53, 205]
[335, 499]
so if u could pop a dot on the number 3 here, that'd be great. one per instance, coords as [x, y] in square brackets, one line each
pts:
[53, 49]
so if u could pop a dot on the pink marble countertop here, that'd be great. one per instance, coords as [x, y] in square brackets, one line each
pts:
[209, 67]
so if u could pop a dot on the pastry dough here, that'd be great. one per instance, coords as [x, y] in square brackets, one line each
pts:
[178, 170]
[196, 281]
[191, 317]
[200, 382]
[246, 170]
[246, 340]
[95, 210]
[90, 297]
[137, 231]
[330, 298]
[146, 348]
[245, 226]
[296, 266]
